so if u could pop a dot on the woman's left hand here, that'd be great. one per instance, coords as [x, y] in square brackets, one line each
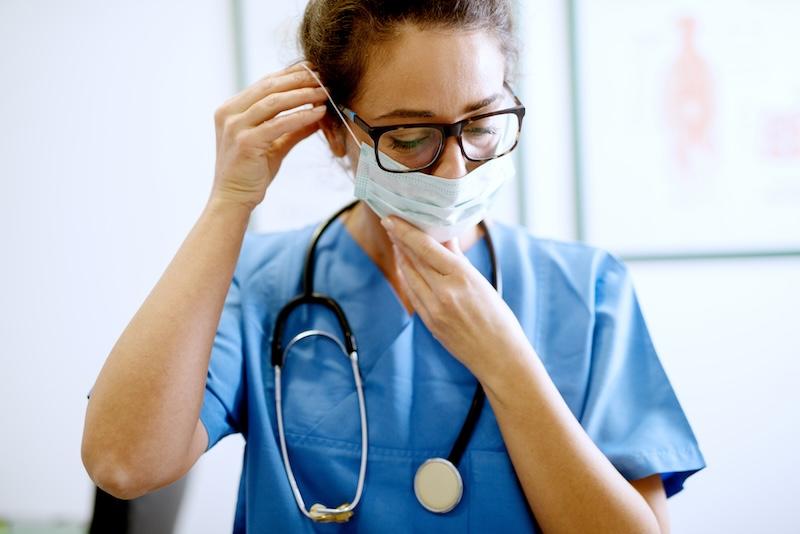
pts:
[457, 304]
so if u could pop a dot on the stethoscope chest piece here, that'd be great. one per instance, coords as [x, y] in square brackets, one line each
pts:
[438, 485]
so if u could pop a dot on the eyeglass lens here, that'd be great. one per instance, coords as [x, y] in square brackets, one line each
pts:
[417, 148]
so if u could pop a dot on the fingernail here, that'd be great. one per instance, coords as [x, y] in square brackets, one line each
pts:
[387, 223]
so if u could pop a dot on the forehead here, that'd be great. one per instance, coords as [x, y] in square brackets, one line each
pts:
[438, 70]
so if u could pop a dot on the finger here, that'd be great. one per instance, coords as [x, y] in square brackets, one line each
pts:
[431, 276]
[301, 65]
[289, 78]
[275, 103]
[423, 246]
[414, 286]
[294, 67]
[292, 78]
[270, 131]
[416, 304]
[287, 141]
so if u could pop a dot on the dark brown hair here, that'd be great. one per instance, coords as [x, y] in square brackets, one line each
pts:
[337, 35]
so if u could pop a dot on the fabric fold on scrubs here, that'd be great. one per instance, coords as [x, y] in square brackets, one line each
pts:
[578, 309]
[631, 411]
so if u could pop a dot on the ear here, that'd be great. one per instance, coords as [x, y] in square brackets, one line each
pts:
[334, 133]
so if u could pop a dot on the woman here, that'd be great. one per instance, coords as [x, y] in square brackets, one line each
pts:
[581, 429]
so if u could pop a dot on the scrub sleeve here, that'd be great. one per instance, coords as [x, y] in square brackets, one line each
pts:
[631, 411]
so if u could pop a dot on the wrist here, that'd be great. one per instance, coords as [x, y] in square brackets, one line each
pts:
[232, 216]
[231, 207]
[510, 368]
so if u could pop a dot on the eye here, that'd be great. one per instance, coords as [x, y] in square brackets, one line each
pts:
[408, 144]
[478, 131]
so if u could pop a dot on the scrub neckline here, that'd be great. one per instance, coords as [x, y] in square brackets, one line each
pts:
[471, 254]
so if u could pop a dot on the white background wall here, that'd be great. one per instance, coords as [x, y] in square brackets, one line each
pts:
[107, 154]
[106, 159]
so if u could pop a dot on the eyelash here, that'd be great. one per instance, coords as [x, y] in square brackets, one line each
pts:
[407, 145]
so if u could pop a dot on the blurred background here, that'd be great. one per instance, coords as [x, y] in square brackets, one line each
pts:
[667, 132]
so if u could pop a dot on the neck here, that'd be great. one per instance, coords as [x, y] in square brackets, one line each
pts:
[365, 227]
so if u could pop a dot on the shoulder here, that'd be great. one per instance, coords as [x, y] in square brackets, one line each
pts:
[271, 255]
[561, 265]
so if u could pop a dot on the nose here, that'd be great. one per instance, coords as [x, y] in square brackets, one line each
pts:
[451, 163]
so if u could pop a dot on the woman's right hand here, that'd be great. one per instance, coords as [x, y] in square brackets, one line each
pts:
[252, 139]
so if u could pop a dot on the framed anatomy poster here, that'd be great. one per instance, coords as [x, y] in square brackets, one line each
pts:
[688, 126]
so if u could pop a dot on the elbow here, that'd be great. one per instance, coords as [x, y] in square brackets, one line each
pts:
[117, 482]
[113, 474]
[653, 526]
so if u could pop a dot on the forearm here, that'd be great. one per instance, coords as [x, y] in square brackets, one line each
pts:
[570, 485]
[145, 404]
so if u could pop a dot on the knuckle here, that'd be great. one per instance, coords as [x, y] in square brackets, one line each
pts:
[447, 298]
[309, 92]
[242, 138]
[268, 84]
[229, 124]
[460, 278]
[270, 101]
[220, 114]
[436, 307]
[436, 317]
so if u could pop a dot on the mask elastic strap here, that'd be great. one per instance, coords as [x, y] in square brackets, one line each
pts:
[335, 107]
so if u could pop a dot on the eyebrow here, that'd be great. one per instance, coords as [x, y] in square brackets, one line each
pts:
[417, 113]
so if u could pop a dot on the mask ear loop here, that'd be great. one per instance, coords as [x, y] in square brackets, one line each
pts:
[335, 107]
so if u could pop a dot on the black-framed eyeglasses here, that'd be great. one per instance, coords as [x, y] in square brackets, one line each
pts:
[414, 147]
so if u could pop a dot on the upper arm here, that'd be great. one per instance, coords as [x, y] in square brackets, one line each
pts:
[652, 489]
[198, 446]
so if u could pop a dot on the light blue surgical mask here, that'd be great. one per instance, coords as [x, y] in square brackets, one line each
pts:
[443, 208]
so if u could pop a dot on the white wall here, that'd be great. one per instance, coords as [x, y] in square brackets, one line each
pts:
[107, 152]
[727, 335]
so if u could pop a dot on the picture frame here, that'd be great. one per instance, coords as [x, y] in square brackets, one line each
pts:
[686, 128]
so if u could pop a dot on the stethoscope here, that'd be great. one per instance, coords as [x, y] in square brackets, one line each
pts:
[437, 483]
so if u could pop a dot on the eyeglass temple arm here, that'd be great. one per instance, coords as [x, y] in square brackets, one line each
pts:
[349, 113]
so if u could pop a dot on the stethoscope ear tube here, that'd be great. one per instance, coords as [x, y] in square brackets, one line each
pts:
[310, 263]
[309, 297]
[301, 300]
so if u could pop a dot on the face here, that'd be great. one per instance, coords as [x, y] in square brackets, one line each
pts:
[437, 76]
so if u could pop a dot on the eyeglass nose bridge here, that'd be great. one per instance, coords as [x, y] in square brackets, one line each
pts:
[453, 130]
[448, 131]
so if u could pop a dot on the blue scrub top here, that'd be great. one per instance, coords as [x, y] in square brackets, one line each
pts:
[575, 303]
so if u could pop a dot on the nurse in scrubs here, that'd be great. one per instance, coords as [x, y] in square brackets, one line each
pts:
[581, 430]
